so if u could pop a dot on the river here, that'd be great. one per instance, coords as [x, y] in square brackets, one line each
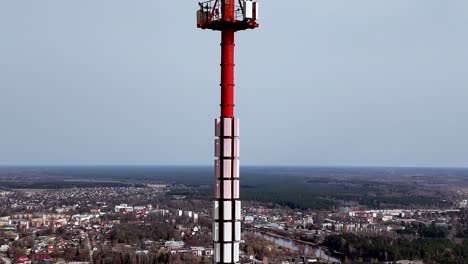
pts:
[294, 245]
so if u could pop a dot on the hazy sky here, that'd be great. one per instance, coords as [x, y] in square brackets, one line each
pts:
[360, 82]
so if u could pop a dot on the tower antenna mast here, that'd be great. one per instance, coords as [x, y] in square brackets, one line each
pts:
[228, 17]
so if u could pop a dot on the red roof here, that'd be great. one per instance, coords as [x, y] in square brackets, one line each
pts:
[41, 256]
[21, 259]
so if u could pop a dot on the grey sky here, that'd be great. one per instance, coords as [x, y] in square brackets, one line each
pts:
[360, 82]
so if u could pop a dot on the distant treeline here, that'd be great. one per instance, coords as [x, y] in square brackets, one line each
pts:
[62, 184]
[295, 187]
[379, 201]
[298, 192]
[199, 193]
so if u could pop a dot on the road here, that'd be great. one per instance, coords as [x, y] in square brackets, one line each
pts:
[89, 248]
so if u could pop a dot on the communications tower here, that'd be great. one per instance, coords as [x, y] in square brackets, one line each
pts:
[227, 16]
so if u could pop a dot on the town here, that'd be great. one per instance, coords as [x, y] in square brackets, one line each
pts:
[151, 225]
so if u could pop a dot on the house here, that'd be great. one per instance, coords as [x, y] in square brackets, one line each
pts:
[40, 257]
[22, 260]
[21, 223]
[82, 219]
[197, 251]
[123, 208]
[174, 244]
[95, 211]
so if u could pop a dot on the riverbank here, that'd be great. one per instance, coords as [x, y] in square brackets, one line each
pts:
[295, 244]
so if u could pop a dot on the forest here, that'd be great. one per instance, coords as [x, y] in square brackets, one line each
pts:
[432, 248]
[319, 188]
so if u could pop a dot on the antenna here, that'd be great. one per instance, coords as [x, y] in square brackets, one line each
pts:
[227, 205]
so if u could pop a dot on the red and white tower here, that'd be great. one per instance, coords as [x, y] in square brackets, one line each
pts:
[227, 16]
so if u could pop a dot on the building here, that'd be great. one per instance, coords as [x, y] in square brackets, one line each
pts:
[140, 208]
[463, 204]
[20, 223]
[5, 220]
[22, 260]
[4, 248]
[171, 245]
[161, 212]
[123, 208]
[82, 219]
[188, 213]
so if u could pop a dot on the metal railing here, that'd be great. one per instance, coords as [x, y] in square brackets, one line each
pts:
[212, 9]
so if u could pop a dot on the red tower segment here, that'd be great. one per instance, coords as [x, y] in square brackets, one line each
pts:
[227, 73]
[227, 61]
[227, 17]
[227, 10]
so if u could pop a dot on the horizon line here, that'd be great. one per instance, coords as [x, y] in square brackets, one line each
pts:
[248, 165]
